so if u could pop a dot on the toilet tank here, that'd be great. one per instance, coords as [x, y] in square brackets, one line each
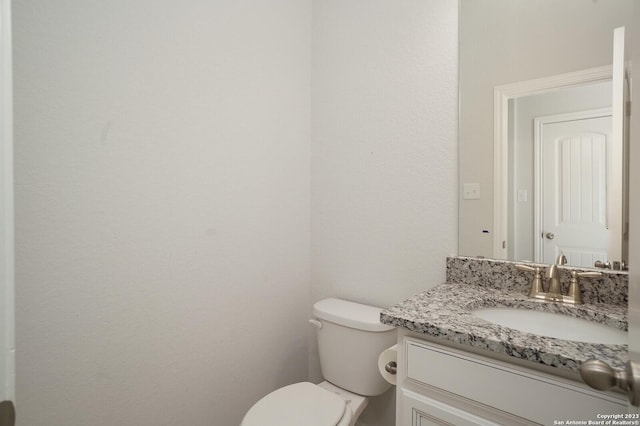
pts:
[350, 340]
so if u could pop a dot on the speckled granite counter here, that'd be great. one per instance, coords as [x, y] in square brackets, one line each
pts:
[444, 312]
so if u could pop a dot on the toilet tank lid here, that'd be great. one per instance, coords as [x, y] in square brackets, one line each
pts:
[350, 314]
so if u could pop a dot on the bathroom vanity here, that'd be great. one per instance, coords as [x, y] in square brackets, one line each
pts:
[456, 368]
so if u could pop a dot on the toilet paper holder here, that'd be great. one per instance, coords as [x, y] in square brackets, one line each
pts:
[391, 367]
[388, 364]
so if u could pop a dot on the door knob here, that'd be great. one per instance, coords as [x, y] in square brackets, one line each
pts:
[549, 236]
[600, 376]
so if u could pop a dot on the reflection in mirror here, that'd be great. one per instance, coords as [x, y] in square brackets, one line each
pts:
[504, 46]
[552, 186]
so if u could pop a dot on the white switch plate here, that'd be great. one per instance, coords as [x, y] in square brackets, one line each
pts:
[471, 191]
[523, 195]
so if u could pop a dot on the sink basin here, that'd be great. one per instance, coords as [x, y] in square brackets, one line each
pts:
[552, 325]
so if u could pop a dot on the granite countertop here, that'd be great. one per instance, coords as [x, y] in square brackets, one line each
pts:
[444, 312]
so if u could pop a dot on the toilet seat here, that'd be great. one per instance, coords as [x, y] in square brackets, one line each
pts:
[299, 404]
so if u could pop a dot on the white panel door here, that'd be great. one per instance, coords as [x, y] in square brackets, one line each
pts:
[574, 180]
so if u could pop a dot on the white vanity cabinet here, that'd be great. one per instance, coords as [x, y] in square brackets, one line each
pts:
[439, 385]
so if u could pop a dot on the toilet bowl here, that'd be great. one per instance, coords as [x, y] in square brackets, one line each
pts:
[350, 339]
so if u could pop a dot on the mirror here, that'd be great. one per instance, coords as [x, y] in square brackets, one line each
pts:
[504, 46]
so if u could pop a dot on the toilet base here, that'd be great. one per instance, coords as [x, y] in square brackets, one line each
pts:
[356, 403]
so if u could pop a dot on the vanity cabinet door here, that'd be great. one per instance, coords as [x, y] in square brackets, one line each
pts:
[420, 410]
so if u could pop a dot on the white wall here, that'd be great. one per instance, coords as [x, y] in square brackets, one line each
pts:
[506, 41]
[164, 207]
[384, 153]
[163, 220]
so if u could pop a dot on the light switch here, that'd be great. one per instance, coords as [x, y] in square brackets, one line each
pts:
[471, 191]
[523, 195]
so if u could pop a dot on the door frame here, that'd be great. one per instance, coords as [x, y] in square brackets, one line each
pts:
[7, 255]
[538, 213]
[501, 97]
[634, 208]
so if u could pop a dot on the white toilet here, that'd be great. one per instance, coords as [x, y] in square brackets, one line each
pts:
[350, 339]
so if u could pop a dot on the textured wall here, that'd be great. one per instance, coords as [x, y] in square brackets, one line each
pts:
[384, 158]
[162, 194]
[163, 200]
[384, 153]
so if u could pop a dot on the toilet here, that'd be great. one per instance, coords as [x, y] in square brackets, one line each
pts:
[350, 339]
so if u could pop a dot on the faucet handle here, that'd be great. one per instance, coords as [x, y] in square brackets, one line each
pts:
[573, 295]
[526, 268]
[587, 274]
[537, 270]
[536, 286]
